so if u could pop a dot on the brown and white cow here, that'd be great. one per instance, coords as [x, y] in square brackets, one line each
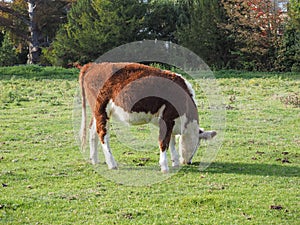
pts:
[136, 94]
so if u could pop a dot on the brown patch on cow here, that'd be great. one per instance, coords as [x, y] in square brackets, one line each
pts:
[165, 132]
[137, 88]
[92, 78]
[95, 76]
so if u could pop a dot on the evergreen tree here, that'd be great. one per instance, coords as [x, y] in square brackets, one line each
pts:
[202, 33]
[94, 27]
[162, 19]
[294, 13]
[8, 55]
[289, 53]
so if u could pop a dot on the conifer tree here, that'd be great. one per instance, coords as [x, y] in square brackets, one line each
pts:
[162, 19]
[288, 58]
[202, 33]
[8, 55]
[95, 27]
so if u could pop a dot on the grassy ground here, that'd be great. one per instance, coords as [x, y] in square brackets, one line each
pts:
[45, 180]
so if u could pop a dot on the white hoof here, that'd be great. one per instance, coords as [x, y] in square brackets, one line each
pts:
[94, 162]
[182, 161]
[165, 171]
[112, 165]
[175, 164]
[113, 168]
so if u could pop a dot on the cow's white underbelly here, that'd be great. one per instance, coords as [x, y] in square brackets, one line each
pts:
[132, 118]
[137, 118]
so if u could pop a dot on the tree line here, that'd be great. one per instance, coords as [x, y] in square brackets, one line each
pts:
[226, 34]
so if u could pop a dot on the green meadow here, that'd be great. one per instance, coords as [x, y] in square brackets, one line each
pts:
[46, 179]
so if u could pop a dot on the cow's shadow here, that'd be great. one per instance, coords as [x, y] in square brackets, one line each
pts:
[258, 169]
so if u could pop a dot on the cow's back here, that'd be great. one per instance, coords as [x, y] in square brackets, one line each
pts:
[144, 89]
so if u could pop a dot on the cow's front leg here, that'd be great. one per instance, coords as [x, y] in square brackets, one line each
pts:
[163, 162]
[174, 153]
[165, 132]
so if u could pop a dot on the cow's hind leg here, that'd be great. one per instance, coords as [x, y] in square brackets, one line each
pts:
[93, 143]
[101, 125]
[110, 161]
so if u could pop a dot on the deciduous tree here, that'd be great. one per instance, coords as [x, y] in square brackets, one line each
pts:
[254, 27]
[33, 21]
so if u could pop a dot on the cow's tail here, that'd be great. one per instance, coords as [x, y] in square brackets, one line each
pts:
[82, 134]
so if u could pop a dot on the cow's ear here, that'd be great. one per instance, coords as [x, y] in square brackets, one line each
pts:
[206, 135]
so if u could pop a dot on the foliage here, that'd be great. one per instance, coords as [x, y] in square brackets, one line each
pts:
[236, 34]
[8, 54]
[47, 17]
[69, 44]
[98, 26]
[294, 13]
[13, 18]
[289, 49]
[254, 179]
[162, 19]
[95, 27]
[202, 33]
[254, 26]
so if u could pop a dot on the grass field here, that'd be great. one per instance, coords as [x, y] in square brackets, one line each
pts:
[44, 178]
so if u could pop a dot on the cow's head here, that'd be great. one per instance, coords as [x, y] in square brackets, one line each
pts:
[189, 143]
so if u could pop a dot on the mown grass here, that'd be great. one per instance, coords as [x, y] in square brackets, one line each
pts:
[45, 180]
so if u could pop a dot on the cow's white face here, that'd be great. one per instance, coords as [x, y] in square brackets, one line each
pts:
[190, 141]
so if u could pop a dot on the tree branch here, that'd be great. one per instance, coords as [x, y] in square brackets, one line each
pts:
[14, 29]
[10, 11]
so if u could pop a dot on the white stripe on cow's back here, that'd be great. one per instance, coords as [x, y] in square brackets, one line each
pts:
[189, 86]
